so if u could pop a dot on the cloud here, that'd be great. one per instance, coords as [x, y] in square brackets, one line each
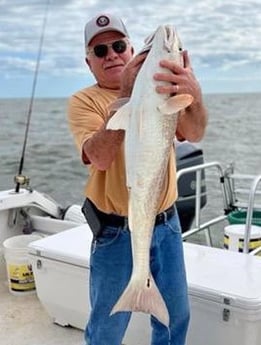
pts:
[222, 35]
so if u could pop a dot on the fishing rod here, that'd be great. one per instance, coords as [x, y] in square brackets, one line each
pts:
[20, 179]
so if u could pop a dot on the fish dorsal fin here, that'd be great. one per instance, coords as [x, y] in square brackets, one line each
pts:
[120, 120]
[175, 104]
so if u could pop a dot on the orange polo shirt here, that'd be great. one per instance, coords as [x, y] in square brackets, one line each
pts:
[87, 112]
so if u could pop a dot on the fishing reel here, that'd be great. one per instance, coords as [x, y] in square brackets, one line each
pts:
[22, 180]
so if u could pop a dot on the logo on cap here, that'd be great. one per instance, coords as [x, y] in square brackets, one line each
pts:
[103, 21]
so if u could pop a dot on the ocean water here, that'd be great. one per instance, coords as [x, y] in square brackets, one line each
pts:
[53, 163]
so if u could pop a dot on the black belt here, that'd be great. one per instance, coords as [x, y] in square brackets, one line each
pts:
[117, 221]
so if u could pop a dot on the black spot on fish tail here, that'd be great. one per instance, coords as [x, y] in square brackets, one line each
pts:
[148, 282]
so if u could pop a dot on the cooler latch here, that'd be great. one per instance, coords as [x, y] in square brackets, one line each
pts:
[226, 314]
[226, 311]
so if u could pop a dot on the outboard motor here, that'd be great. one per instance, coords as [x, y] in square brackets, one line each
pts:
[188, 155]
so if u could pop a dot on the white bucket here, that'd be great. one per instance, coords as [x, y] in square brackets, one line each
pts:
[234, 237]
[19, 269]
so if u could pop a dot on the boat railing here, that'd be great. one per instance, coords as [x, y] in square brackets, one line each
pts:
[240, 191]
[250, 209]
[229, 192]
[198, 225]
[246, 196]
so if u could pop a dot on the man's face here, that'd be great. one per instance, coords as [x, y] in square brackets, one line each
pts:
[108, 68]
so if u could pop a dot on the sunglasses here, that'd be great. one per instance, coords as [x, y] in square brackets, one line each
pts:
[101, 50]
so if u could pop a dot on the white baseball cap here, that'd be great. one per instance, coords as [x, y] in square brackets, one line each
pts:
[102, 23]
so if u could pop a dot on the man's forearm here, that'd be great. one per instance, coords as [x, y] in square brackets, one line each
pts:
[193, 121]
[101, 149]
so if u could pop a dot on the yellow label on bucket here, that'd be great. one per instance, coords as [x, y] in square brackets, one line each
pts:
[253, 243]
[21, 277]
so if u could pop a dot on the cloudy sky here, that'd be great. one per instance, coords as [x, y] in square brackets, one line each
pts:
[223, 38]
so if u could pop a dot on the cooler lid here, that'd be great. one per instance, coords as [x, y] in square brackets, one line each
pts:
[221, 275]
[70, 246]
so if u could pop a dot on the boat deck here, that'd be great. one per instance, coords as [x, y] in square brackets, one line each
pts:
[24, 321]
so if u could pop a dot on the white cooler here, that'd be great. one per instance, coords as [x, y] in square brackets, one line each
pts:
[225, 296]
[224, 290]
[61, 271]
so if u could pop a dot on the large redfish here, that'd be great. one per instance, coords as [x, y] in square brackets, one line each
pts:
[149, 120]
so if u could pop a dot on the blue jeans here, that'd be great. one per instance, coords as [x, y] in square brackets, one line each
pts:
[110, 271]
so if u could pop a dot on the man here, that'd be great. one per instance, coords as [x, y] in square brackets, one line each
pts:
[109, 55]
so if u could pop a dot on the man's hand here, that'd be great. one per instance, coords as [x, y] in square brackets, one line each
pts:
[130, 73]
[192, 120]
[182, 79]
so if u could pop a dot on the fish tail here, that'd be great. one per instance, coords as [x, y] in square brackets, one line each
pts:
[145, 298]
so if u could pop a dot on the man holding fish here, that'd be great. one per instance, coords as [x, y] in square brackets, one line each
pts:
[124, 127]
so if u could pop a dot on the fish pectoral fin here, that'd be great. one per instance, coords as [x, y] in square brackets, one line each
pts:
[146, 299]
[175, 104]
[120, 120]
